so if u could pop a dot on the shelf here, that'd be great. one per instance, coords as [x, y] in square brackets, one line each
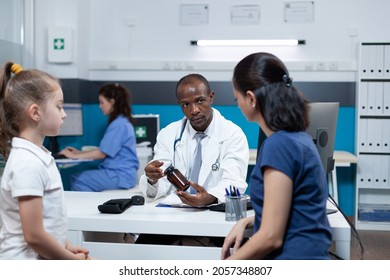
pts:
[373, 188]
[372, 211]
[378, 213]
[374, 117]
[360, 225]
[373, 79]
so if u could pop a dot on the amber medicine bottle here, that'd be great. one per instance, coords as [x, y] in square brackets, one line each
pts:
[177, 178]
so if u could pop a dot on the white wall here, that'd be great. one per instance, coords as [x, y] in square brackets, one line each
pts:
[143, 39]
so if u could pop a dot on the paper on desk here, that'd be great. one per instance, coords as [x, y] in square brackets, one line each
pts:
[171, 200]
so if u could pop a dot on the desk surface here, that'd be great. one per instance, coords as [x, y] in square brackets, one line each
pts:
[342, 158]
[70, 162]
[84, 215]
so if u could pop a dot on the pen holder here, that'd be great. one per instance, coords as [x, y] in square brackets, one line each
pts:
[235, 207]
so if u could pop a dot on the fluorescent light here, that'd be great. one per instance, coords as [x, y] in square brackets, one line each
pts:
[227, 43]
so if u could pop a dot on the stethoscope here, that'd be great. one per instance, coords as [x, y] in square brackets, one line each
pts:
[183, 126]
[214, 167]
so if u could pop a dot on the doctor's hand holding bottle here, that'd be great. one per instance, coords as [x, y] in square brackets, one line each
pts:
[154, 171]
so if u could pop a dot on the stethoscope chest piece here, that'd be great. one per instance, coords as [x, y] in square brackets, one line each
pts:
[215, 166]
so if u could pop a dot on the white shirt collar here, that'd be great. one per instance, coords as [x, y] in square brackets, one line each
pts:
[41, 152]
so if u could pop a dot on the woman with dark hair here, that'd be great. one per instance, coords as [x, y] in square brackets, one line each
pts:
[288, 186]
[117, 149]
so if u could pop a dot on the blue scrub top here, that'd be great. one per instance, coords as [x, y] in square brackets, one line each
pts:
[308, 233]
[119, 144]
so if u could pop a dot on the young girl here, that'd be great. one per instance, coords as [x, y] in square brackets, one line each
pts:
[288, 186]
[117, 149]
[31, 195]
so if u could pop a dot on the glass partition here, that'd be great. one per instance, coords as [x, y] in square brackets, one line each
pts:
[11, 30]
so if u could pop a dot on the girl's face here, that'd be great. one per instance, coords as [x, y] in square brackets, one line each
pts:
[53, 114]
[246, 103]
[106, 105]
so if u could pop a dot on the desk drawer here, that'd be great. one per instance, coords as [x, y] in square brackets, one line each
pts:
[126, 251]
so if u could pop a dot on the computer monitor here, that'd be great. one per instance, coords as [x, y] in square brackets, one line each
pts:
[146, 127]
[322, 128]
[72, 126]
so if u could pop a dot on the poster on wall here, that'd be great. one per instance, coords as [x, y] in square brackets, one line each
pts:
[194, 14]
[245, 15]
[299, 12]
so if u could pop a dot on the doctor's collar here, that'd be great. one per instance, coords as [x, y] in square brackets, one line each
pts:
[192, 131]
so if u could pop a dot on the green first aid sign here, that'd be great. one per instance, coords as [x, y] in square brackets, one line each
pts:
[140, 132]
[59, 43]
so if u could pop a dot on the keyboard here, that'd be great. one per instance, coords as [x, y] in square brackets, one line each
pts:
[58, 156]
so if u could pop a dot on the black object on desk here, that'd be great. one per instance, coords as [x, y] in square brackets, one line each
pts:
[118, 206]
[221, 207]
[58, 156]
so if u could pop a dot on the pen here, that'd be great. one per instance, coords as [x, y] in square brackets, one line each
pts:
[236, 207]
[235, 200]
[227, 192]
[238, 192]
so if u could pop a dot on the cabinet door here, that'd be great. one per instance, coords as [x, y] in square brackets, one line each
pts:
[362, 141]
[384, 171]
[365, 169]
[379, 61]
[386, 135]
[386, 66]
[364, 61]
[378, 96]
[386, 98]
[371, 99]
[363, 98]
[371, 71]
[376, 174]
[378, 138]
[371, 133]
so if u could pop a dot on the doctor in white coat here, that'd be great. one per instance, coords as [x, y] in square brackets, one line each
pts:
[225, 151]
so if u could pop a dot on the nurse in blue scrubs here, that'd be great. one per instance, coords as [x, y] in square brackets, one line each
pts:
[117, 149]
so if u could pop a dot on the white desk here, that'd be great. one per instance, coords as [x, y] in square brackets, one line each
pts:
[83, 216]
[342, 159]
[70, 162]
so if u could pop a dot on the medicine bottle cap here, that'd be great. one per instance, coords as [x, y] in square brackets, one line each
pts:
[169, 169]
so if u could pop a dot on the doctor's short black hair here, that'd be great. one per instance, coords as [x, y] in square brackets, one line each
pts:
[188, 79]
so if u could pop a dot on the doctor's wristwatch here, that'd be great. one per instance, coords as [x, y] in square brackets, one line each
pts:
[151, 181]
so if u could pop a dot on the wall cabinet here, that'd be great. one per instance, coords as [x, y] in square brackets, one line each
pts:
[373, 137]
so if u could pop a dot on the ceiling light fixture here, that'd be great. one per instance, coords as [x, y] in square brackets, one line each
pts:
[233, 43]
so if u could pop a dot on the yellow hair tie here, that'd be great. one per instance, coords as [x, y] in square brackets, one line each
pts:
[16, 68]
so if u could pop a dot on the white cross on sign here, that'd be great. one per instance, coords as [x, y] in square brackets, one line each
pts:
[140, 131]
[59, 43]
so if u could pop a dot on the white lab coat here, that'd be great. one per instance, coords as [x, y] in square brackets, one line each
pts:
[227, 151]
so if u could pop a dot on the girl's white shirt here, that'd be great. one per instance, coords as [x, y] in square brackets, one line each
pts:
[30, 171]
